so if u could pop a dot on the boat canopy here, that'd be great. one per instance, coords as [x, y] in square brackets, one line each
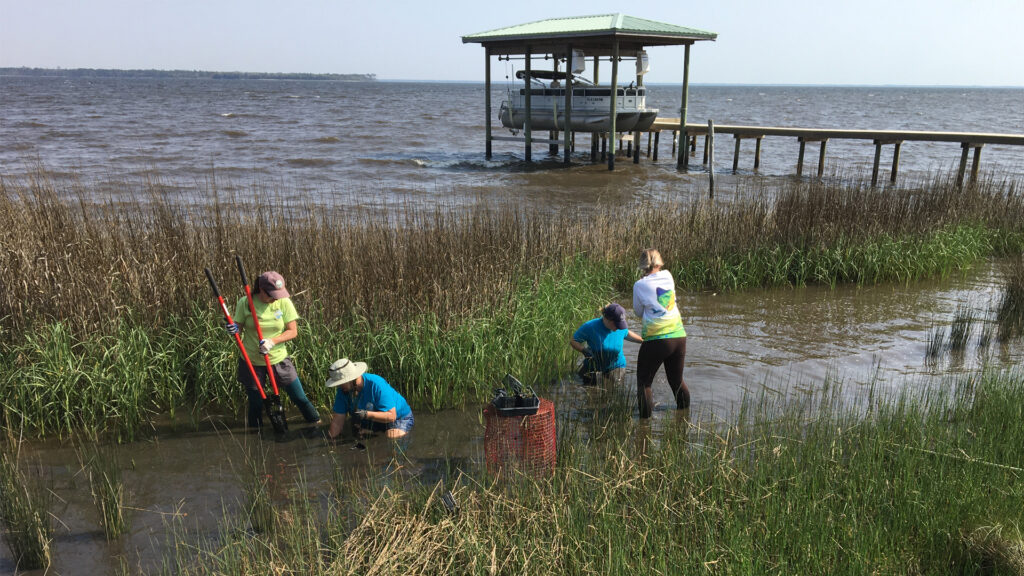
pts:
[552, 75]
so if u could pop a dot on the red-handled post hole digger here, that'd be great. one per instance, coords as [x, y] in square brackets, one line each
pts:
[272, 403]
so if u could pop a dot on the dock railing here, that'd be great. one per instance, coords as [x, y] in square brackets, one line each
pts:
[968, 141]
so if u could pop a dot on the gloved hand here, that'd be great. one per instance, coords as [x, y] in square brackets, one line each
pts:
[265, 345]
[361, 414]
[232, 328]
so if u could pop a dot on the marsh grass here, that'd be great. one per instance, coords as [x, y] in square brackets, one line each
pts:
[1010, 310]
[936, 343]
[25, 499]
[961, 329]
[256, 486]
[922, 482]
[109, 493]
[106, 316]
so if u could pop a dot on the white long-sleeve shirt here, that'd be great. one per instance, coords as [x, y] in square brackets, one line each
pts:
[654, 300]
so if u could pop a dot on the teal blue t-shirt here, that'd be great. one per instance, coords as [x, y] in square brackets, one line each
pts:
[377, 396]
[605, 344]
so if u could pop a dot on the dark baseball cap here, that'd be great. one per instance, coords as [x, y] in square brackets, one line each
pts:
[616, 314]
[272, 284]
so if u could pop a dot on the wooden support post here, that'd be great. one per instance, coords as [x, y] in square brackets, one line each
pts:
[657, 137]
[976, 163]
[895, 161]
[821, 158]
[681, 160]
[604, 147]
[528, 131]
[636, 133]
[567, 145]
[707, 141]
[736, 153]
[487, 102]
[615, 98]
[552, 148]
[675, 134]
[650, 136]
[966, 146]
[711, 159]
[693, 145]
[595, 144]
[800, 159]
[874, 169]
[757, 154]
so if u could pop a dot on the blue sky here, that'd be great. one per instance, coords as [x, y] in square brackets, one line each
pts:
[873, 42]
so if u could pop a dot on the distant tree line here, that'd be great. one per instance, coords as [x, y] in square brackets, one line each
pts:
[190, 74]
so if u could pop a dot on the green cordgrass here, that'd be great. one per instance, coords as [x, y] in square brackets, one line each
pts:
[924, 483]
[118, 383]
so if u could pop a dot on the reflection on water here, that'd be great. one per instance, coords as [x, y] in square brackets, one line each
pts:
[776, 342]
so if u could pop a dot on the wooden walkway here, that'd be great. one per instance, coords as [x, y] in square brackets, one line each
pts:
[968, 141]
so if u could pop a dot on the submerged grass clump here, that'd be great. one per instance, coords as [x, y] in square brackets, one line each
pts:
[106, 316]
[1010, 311]
[25, 499]
[109, 493]
[927, 482]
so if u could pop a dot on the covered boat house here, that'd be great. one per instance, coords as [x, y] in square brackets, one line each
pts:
[569, 41]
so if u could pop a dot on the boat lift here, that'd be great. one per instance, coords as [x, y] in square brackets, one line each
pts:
[612, 37]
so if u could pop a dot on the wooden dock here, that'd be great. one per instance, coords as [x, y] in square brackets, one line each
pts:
[968, 141]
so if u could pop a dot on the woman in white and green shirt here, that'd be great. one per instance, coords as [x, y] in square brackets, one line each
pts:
[664, 338]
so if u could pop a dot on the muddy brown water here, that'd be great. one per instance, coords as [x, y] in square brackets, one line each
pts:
[785, 341]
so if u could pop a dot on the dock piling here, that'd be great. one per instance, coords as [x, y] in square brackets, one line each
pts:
[710, 145]
[895, 161]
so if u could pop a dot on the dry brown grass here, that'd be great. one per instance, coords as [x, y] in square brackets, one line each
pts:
[69, 255]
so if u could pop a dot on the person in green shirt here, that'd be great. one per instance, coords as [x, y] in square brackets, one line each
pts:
[279, 323]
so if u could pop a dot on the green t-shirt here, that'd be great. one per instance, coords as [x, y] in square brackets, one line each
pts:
[273, 317]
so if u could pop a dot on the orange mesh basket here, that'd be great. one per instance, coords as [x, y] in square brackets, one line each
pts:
[526, 443]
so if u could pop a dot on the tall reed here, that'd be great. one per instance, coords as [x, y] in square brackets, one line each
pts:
[75, 257]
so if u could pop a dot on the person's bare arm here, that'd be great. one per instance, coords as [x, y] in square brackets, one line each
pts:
[337, 425]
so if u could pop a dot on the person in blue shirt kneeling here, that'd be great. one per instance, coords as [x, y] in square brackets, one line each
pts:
[369, 398]
[600, 342]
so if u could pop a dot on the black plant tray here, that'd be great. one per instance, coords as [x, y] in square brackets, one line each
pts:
[516, 405]
[523, 401]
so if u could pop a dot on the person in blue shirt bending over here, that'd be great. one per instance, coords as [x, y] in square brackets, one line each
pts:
[600, 342]
[369, 398]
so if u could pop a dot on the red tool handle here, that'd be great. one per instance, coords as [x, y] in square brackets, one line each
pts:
[238, 337]
[256, 322]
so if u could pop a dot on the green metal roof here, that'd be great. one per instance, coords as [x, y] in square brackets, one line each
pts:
[599, 26]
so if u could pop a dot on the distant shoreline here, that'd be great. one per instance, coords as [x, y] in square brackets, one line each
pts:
[186, 74]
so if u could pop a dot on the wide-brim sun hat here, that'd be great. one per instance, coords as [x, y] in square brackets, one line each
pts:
[344, 370]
